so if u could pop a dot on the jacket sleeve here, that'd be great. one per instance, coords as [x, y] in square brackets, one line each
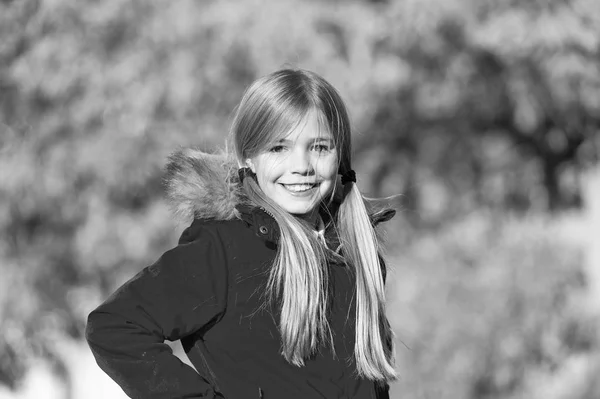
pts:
[382, 392]
[184, 291]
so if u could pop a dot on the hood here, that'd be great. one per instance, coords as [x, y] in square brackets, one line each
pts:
[202, 185]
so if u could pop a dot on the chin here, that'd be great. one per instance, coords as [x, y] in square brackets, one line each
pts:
[299, 210]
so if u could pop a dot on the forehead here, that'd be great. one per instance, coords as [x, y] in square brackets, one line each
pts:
[311, 127]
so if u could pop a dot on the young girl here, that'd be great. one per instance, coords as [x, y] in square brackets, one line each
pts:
[276, 289]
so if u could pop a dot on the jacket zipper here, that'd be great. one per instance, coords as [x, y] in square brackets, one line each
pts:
[267, 212]
[260, 393]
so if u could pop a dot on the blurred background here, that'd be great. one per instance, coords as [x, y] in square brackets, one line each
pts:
[483, 114]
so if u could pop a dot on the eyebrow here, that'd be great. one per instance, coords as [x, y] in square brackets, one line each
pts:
[314, 140]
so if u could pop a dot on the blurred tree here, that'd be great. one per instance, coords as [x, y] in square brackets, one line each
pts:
[522, 76]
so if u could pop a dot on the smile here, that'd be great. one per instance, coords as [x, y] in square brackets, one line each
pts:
[298, 188]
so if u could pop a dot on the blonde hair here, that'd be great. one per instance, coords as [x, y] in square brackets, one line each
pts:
[270, 108]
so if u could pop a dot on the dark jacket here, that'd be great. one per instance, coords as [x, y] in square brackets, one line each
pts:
[207, 292]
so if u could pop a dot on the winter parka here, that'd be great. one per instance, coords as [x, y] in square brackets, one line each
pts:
[208, 293]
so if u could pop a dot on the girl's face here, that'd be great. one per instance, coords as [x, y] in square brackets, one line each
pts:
[298, 171]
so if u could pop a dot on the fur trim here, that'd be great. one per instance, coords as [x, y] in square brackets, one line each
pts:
[202, 185]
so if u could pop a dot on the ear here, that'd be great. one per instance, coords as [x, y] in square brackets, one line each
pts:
[250, 165]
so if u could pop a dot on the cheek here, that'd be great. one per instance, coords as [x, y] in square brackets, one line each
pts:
[264, 178]
[263, 170]
[328, 168]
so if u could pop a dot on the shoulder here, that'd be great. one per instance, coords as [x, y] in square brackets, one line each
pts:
[225, 241]
[213, 230]
[202, 258]
[202, 243]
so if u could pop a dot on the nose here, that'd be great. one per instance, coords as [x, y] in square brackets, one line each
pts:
[300, 163]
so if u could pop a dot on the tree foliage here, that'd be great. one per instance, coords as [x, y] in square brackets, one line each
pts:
[499, 105]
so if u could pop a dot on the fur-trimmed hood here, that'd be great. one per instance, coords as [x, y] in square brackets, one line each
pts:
[202, 185]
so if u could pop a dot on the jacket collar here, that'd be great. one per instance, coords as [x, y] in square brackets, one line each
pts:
[267, 228]
[263, 224]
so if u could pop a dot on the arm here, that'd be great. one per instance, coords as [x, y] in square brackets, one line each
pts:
[183, 291]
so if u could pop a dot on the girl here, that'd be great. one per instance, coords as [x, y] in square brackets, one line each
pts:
[276, 289]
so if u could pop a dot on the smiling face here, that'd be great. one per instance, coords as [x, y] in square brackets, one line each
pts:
[300, 170]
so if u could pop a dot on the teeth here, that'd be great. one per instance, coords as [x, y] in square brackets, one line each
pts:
[299, 187]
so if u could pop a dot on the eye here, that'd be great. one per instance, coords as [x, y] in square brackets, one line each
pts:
[321, 148]
[276, 148]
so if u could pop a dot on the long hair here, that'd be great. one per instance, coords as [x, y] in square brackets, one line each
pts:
[271, 108]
